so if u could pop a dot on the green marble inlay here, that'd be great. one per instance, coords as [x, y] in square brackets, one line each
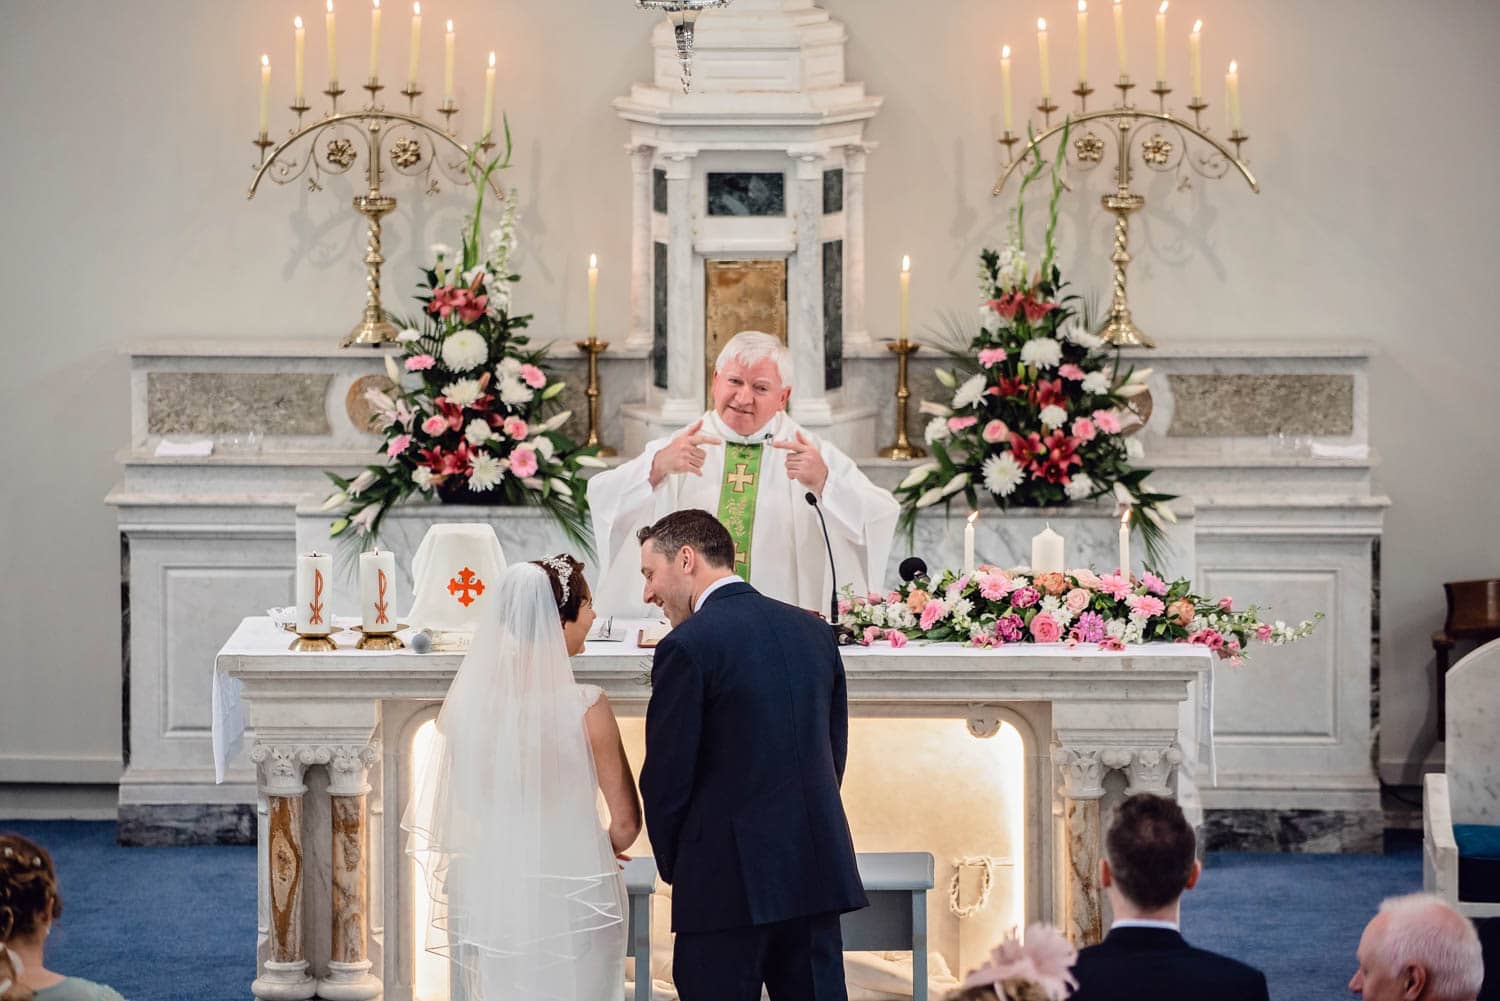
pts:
[1250, 406]
[280, 403]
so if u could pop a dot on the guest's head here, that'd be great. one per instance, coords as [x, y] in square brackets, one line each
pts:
[29, 903]
[1418, 948]
[575, 603]
[681, 555]
[1149, 858]
[752, 381]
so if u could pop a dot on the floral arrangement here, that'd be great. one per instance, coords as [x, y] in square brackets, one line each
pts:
[992, 607]
[472, 416]
[1041, 410]
[1039, 970]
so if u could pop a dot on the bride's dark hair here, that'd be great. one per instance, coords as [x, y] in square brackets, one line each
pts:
[558, 569]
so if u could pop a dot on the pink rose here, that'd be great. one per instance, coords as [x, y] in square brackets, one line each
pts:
[1086, 579]
[845, 606]
[533, 376]
[1083, 429]
[1108, 421]
[1227, 604]
[417, 363]
[990, 357]
[523, 461]
[957, 587]
[1145, 604]
[1077, 600]
[1071, 371]
[1233, 646]
[1116, 585]
[1111, 643]
[871, 634]
[993, 587]
[934, 610]
[1208, 638]
[896, 638]
[398, 444]
[995, 431]
[436, 424]
[515, 428]
[894, 598]
[1153, 583]
[1044, 628]
[961, 423]
[1263, 632]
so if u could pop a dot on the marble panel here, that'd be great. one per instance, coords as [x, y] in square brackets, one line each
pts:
[833, 191]
[833, 314]
[659, 191]
[269, 403]
[1254, 405]
[155, 824]
[746, 193]
[659, 315]
[1309, 831]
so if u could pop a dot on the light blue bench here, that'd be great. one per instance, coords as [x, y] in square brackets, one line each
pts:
[896, 883]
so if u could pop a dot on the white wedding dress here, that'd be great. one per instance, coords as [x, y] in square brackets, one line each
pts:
[528, 902]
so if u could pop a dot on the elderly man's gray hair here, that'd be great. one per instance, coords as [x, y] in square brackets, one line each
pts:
[751, 346]
[1422, 929]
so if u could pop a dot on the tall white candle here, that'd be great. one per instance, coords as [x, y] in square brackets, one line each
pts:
[1232, 93]
[333, 51]
[377, 591]
[314, 594]
[1195, 60]
[414, 59]
[299, 51]
[1083, 42]
[904, 315]
[1120, 34]
[489, 99]
[265, 92]
[374, 39]
[1161, 41]
[1044, 63]
[1005, 99]
[448, 64]
[593, 295]
[969, 542]
[1124, 566]
[1047, 552]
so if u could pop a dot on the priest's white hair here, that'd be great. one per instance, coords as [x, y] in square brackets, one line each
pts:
[751, 346]
[1422, 929]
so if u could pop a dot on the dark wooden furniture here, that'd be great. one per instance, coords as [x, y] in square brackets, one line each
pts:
[1473, 614]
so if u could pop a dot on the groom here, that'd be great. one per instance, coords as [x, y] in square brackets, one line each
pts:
[746, 736]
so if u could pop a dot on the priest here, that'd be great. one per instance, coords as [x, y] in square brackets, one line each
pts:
[748, 462]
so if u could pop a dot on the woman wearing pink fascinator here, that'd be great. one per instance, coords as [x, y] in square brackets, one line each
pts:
[1036, 971]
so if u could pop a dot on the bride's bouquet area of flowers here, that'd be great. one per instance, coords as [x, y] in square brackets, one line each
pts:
[473, 415]
[992, 607]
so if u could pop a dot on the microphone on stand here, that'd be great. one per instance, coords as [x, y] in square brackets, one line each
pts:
[911, 568]
[842, 635]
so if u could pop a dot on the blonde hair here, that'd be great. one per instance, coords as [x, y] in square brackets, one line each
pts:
[1423, 929]
[751, 346]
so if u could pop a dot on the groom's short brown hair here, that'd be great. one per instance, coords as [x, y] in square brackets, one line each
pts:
[694, 528]
[1151, 849]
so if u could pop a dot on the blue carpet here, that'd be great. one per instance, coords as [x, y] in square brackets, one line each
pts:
[178, 924]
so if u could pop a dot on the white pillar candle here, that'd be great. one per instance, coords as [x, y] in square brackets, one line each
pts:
[414, 59]
[374, 39]
[1195, 60]
[1161, 41]
[593, 294]
[969, 542]
[904, 314]
[448, 64]
[299, 51]
[1047, 552]
[1124, 566]
[314, 594]
[1120, 34]
[1005, 99]
[1044, 64]
[265, 92]
[377, 591]
[488, 118]
[333, 55]
[1083, 42]
[1232, 93]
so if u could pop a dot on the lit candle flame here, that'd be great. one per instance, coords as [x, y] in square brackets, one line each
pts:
[1125, 518]
[416, 9]
[1163, 8]
[330, 6]
[265, 60]
[492, 59]
[1234, 67]
[1041, 24]
[1083, 6]
[973, 516]
[905, 263]
[450, 25]
[1197, 25]
[1005, 52]
[297, 22]
[375, 3]
[593, 260]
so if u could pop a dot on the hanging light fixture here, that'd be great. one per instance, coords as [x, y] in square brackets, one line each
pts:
[682, 15]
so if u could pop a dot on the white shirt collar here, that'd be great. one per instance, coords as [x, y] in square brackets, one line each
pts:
[764, 434]
[1145, 923]
[710, 589]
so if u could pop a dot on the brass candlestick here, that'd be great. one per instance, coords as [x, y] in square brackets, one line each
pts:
[903, 448]
[416, 148]
[594, 347]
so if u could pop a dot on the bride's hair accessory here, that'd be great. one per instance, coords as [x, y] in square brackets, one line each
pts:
[562, 569]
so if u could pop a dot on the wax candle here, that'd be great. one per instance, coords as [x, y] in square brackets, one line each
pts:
[969, 542]
[299, 50]
[1120, 34]
[905, 312]
[1161, 41]
[265, 92]
[489, 98]
[314, 586]
[333, 56]
[448, 64]
[1124, 567]
[1047, 552]
[415, 57]
[1005, 100]
[374, 39]
[593, 295]
[1195, 60]
[377, 591]
[1232, 93]
[1044, 64]
[1083, 42]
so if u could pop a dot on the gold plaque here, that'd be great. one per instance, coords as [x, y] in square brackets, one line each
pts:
[742, 295]
[361, 413]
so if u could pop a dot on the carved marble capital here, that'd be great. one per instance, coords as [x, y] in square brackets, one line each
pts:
[349, 767]
[854, 158]
[809, 165]
[1150, 769]
[641, 157]
[678, 164]
[282, 766]
[984, 721]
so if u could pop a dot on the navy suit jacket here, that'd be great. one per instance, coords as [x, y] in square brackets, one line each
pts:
[1157, 964]
[746, 736]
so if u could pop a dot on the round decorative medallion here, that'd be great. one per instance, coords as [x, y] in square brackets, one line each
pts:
[1140, 406]
[361, 413]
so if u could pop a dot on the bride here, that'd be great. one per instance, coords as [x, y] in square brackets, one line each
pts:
[528, 903]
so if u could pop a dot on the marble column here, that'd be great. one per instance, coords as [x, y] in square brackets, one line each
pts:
[349, 977]
[855, 329]
[805, 334]
[641, 159]
[283, 973]
[685, 386]
[1083, 770]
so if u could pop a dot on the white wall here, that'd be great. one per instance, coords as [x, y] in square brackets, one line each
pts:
[127, 153]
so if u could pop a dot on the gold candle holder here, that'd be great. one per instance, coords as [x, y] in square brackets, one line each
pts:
[1046, 108]
[1161, 90]
[378, 641]
[1082, 92]
[1197, 107]
[305, 643]
[593, 347]
[903, 448]
[1124, 86]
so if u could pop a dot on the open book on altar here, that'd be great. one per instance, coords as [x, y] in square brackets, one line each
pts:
[653, 633]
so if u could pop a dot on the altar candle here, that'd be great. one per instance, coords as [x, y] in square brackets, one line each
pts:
[314, 590]
[1043, 62]
[1047, 552]
[1120, 34]
[377, 591]
[905, 312]
[333, 57]
[1124, 567]
[1161, 41]
[1232, 92]
[969, 542]
[299, 51]
[593, 295]
[265, 92]
[1195, 60]
[448, 64]
[374, 39]
[1005, 99]
[489, 98]
[1083, 42]
[414, 59]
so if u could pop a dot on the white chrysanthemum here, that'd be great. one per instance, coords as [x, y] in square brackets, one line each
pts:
[478, 431]
[1079, 335]
[465, 350]
[937, 430]
[422, 477]
[462, 392]
[486, 473]
[515, 392]
[1002, 474]
[544, 448]
[509, 365]
[1041, 352]
[1115, 628]
[1053, 416]
[917, 475]
[1079, 487]
[1135, 631]
[441, 251]
[989, 320]
[408, 335]
[1095, 382]
[970, 393]
[962, 609]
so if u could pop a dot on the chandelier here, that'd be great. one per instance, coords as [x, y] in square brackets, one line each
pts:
[682, 15]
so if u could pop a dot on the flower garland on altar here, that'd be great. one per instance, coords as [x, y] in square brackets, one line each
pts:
[1041, 409]
[472, 416]
[992, 607]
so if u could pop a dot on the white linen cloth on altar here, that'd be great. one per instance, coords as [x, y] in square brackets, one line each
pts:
[788, 560]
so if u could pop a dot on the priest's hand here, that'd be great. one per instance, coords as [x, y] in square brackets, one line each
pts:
[683, 454]
[804, 463]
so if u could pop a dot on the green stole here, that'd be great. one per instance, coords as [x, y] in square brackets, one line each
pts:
[737, 499]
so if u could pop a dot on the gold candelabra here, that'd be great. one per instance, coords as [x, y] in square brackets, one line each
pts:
[594, 347]
[416, 149]
[903, 448]
[1128, 124]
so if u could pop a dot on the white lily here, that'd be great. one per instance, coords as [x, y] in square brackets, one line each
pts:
[556, 421]
[1132, 389]
[931, 497]
[361, 483]
[946, 377]
[1167, 513]
[1122, 494]
[933, 408]
[1155, 518]
[956, 484]
[335, 500]
[1140, 375]
[366, 518]
[918, 474]
[392, 370]
[559, 486]
[592, 462]
[533, 482]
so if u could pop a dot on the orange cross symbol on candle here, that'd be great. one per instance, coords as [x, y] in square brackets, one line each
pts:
[381, 605]
[461, 586]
